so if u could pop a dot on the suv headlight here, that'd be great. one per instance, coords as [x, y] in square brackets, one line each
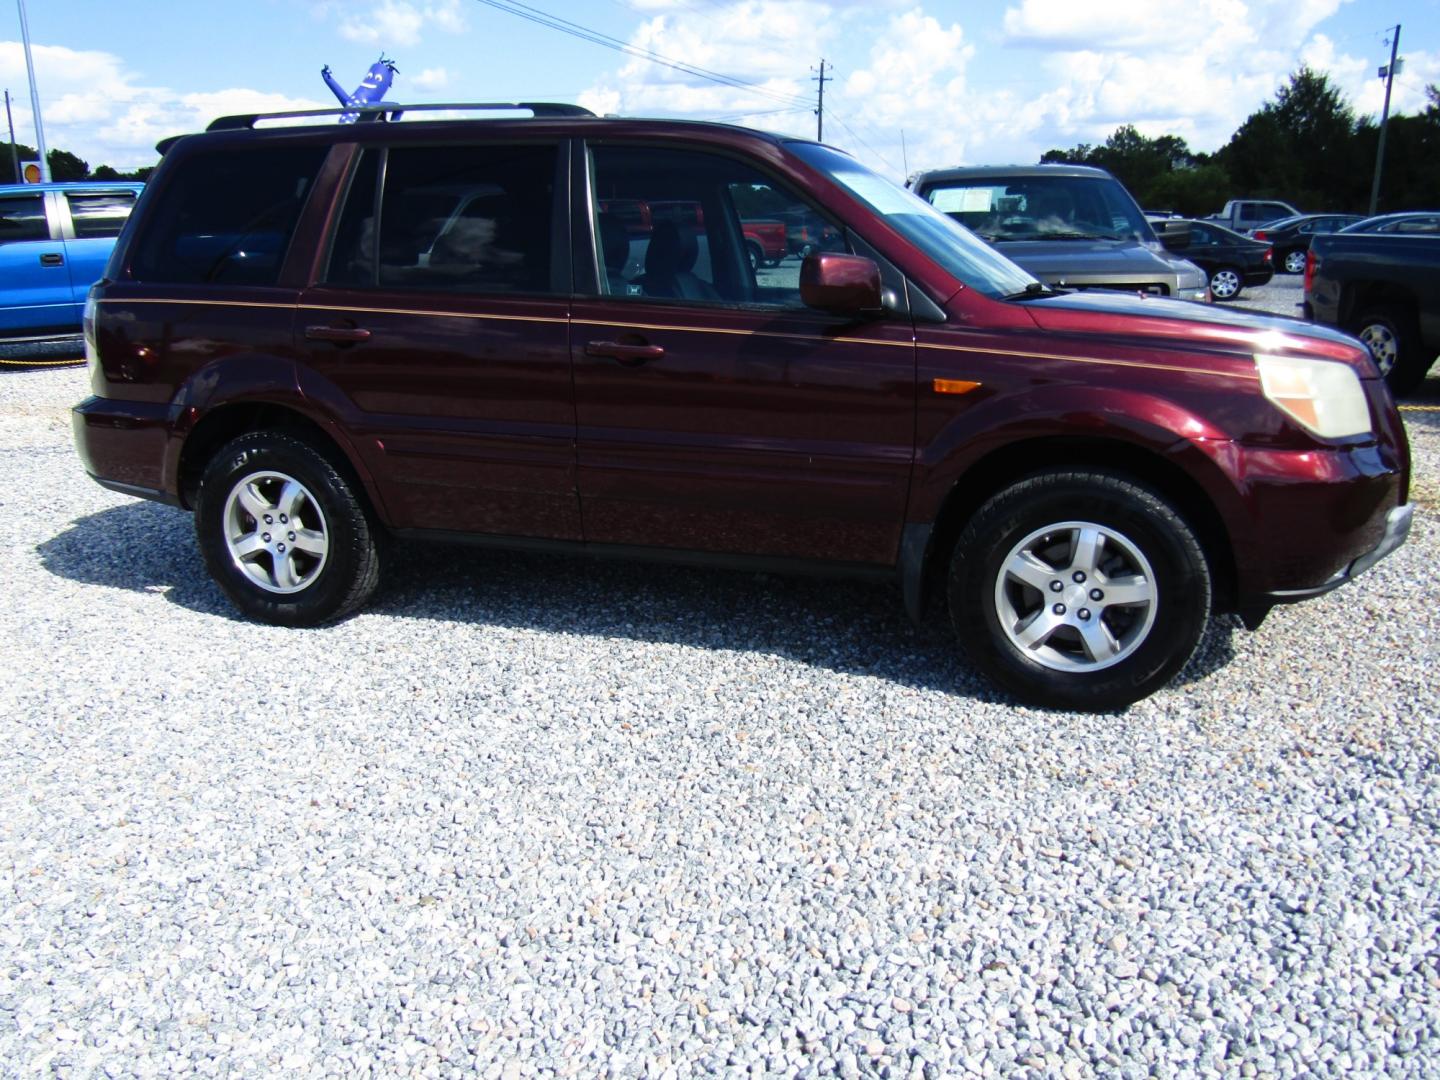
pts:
[1324, 396]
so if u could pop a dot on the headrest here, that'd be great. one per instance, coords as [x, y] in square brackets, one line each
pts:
[672, 250]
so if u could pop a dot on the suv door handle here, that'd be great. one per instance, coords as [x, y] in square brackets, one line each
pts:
[624, 352]
[51, 258]
[340, 334]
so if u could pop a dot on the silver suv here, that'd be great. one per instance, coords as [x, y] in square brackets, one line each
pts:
[1072, 226]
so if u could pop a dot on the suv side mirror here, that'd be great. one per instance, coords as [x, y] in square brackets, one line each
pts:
[1174, 235]
[841, 284]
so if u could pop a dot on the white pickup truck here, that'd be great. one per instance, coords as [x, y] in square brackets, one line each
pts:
[1245, 214]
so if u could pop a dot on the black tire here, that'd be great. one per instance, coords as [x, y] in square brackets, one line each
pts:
[1226, 283]
[1153, 638]
[1288, 260]
[756, 255]
[331, 561]
[1392, 335]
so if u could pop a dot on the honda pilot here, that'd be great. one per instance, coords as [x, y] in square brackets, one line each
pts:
[317, 336]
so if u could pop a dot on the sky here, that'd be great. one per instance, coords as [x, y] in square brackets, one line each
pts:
[917, 85]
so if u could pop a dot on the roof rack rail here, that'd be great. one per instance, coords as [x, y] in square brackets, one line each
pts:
[389, 111]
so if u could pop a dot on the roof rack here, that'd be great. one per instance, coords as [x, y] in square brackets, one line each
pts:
[390, 112]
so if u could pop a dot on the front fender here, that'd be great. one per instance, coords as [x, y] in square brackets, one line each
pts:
[1133, 421]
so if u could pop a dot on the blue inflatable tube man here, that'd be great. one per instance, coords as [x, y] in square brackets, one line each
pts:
[371, 90]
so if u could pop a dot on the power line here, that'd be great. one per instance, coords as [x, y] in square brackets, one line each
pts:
[856, 135]
[595, 37]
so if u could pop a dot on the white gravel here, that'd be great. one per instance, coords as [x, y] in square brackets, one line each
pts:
[540, 815]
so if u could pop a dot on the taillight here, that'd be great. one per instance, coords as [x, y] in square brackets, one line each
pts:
[1269, 254]
[1312, 263]
[1260, 235]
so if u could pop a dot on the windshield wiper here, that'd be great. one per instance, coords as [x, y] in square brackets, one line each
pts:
[1034, 291]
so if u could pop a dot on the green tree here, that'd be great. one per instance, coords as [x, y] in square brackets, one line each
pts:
[7, 167]
[66, 166]
[1159, 172]
[1300, 147]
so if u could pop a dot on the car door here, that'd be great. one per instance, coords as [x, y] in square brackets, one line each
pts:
[90, 220]
[35, 297]
[436, 335]
[715, 411]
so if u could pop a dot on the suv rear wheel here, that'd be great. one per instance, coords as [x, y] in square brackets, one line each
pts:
[284, 533]
[1079, 590]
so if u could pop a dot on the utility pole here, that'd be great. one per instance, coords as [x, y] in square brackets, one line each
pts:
[34, 96]
[820, 108]
[1388, 73]
[14, 157]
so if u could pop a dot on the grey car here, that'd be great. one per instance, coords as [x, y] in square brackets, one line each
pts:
[1069, 225]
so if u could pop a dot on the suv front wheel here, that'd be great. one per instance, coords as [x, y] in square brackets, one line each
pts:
[1079, 590]
[284, 533]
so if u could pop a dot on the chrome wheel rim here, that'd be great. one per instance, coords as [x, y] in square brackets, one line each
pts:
[1076, 597]
[1380, 340]
[1225, 284]
[276, 532]
[1295, 262]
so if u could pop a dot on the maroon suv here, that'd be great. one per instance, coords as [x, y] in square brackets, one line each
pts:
[315, 336]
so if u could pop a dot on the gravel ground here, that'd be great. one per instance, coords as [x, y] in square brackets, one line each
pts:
[548, 816]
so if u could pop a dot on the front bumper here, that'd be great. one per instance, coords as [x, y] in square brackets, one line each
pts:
[1397, 528]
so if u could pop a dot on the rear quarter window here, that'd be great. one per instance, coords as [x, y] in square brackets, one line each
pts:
[226, 216]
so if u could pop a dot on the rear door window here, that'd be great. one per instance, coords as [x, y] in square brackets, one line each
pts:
[22, 217]
[473, 219]
[226, 216]
[99, 214]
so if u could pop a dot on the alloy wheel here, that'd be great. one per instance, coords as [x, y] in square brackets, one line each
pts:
[1225, 284]
[1076, 596]
[275, 532]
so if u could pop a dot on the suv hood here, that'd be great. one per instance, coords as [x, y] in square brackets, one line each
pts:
[1081, 261]
[1194, 324]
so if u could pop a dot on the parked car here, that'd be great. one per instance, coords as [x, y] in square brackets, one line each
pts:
[1385, 289]
[54, 241]
[1070, 225]
[1231, 261]
[1421, 222]
[1290, 237]
[1242, 215]
[1083, 477]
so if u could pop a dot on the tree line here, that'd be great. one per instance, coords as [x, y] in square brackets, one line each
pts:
[1305, 146]
[63, 165]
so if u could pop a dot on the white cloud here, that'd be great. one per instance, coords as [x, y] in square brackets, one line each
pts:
[97, 110]
[401, 22]
[431, 79]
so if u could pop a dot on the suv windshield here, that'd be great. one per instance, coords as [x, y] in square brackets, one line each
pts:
[1042, 208]
[935, 234]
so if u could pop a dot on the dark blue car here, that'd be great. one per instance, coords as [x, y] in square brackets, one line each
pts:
[54, 242]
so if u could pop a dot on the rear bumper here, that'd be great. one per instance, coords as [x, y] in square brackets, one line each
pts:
[124, 445]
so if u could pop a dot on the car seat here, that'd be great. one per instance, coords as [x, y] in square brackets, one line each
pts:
[668, 262]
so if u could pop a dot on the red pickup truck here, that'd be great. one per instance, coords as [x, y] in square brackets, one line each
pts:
[765, 239]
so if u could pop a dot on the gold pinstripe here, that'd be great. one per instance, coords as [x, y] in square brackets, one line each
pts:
[727, 331]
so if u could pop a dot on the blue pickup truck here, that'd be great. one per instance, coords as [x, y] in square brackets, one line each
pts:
[54, 242]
